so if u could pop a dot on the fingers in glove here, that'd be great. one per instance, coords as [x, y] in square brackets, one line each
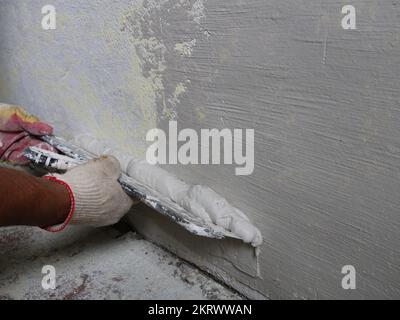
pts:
[16, 119]
[15, 152]
[7, 139]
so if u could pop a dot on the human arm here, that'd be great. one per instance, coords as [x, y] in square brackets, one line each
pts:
[31, 201]
[90, 193]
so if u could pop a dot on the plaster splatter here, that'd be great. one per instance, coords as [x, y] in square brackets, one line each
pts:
[201, 201]
[185, 48]
[138, 22]
[179, 90]
[197, 11]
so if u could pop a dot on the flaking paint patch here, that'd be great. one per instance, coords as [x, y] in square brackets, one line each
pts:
[200, 114]
[185, 48]
[145, 22]
[197, 11]
[179, 90]
[149, 55]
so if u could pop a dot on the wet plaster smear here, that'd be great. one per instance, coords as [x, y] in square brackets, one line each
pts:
[323, 101]
[198, 200]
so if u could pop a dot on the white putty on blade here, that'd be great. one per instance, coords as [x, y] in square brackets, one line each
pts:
[201, 201]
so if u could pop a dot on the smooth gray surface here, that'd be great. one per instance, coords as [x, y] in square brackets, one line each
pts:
[324, 103]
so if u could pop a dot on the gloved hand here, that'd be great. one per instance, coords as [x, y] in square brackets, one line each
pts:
[17, 132]
[99, 198]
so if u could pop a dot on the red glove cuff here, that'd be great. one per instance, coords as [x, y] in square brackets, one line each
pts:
[62, 226]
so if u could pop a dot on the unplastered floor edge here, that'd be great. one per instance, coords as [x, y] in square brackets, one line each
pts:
[160, 238]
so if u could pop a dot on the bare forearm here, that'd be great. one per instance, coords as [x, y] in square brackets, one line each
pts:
[27, 200]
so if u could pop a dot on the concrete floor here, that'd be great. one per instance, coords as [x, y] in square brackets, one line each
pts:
[105, 263]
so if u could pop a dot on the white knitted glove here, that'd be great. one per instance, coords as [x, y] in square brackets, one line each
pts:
[99, 198]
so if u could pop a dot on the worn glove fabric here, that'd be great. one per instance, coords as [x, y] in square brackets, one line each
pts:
[99, 198]
[17, 132]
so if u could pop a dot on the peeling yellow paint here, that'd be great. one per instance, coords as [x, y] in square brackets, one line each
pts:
[200, 113]
[73, 97]
[149, 59]
[185, 48]
[180, 88]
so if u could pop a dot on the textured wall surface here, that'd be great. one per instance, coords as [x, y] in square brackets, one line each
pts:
[324, 103]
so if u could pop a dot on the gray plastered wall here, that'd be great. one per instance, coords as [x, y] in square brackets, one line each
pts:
[324, 103]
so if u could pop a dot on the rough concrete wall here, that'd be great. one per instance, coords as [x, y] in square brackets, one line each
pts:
[323, 101]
